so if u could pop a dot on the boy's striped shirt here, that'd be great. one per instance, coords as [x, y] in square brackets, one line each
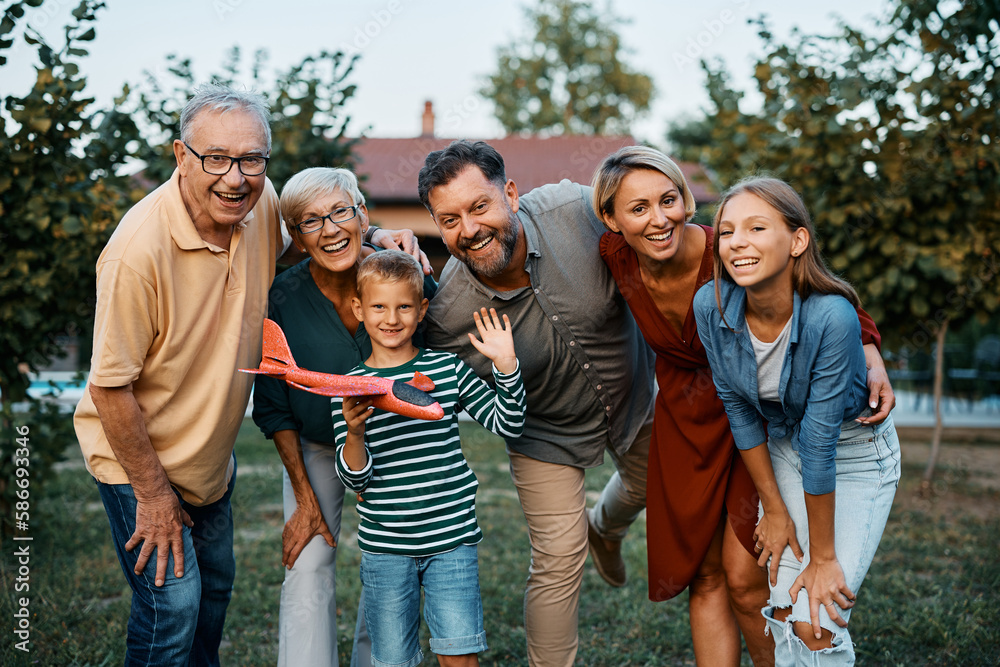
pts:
[418, 493]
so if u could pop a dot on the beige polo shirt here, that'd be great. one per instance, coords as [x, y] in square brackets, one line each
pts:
[177, 317]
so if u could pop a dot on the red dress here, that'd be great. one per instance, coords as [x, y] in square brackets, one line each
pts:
[695, 472]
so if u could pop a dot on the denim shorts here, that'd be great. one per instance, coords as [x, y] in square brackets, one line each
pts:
[452, 605]
[868, 464]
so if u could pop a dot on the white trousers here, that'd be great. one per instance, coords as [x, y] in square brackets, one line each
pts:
[308, 616]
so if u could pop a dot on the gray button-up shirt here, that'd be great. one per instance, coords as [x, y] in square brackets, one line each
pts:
[586, 368]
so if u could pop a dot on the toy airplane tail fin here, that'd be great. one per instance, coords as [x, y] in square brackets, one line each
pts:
[276, 353]
[421, 382]
[276, 357]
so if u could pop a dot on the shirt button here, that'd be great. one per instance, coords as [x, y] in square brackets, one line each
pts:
[586, 367]
[572, 343]
[607, 409]
[555, 317]
[536, 290]
[599, 386]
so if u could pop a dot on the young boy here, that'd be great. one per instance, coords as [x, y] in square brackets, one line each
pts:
[417, 494]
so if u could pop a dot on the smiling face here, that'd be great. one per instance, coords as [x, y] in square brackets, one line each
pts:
[217, 203]
[334, 247]
[477, 220]
[756, 245]
[650, 215]
[390, 311]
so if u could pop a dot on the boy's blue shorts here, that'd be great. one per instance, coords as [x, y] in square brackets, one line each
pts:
[453, 608]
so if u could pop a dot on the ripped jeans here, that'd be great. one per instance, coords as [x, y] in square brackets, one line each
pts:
[868, 465]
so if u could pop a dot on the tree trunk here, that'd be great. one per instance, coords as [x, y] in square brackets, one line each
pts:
[925, 485]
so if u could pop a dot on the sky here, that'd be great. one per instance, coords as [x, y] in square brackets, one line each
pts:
[417, 50]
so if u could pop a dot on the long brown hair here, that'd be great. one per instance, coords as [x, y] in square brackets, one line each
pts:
[809, 272]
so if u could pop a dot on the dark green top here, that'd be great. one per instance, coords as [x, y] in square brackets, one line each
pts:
[320, 342]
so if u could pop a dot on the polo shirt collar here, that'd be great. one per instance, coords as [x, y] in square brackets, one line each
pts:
[182, 229]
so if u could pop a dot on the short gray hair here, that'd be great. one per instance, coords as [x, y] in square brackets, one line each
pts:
[220, 97]
[310, 184]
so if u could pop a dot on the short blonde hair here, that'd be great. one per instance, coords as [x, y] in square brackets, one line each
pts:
[615, 167]
[391, 266]
[310, 184]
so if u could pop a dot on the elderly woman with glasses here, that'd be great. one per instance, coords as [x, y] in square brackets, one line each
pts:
[326, 215]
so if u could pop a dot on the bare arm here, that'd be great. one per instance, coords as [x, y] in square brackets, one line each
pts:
[823, 578]
[158, 515]
[402, 239]
[307, 519]
[881, 397]
[292, 256]
[776, 528]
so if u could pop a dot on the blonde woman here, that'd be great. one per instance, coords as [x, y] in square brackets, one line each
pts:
[701, 501]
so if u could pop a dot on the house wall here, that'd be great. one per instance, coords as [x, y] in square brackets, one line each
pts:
[403, 216]
[414, 217]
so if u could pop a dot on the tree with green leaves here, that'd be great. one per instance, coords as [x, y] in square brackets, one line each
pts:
[308, 122]
[61, 192]
[60, 198]
[892, 140]
[570, 77]
[688, 138]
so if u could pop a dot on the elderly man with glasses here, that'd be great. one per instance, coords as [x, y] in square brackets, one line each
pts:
[181, 297]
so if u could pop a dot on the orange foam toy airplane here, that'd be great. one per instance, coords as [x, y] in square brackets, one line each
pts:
[409, 399]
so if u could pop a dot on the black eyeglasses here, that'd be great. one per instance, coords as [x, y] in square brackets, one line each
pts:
[337, 216]
[219, 165]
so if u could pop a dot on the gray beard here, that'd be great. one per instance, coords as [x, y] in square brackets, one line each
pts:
[493, 266]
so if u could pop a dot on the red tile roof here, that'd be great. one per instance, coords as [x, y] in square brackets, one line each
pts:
[391, 165]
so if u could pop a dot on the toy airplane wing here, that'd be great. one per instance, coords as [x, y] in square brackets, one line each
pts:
[258, 371]
[347, 385]
[405, 398]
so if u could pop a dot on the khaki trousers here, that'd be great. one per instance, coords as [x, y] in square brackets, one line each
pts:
[554, 503]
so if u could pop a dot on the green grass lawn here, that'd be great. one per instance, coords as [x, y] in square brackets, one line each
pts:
[931, 597]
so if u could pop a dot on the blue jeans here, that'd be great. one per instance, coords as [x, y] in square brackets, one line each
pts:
[867, 476]
[452, 605]
[179, 623]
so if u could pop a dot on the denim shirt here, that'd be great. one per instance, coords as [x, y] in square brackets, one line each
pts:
[823, 377]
